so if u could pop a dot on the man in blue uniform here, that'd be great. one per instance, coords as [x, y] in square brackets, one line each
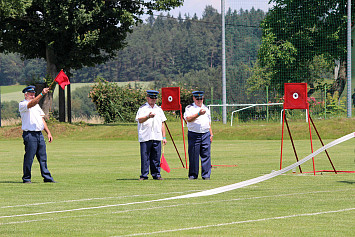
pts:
[200, 136]
[32, 125]
[151, 131]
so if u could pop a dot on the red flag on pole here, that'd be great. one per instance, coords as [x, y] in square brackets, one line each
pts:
[62, 79]
[163, 164]
[170, 98]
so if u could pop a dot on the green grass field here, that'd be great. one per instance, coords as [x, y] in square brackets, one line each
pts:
[98, 192]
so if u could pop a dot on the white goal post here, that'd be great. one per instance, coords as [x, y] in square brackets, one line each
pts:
[246, 106]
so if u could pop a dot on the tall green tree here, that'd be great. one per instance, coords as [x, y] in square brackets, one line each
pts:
[296, 35]
[71, 34]
[11, 68]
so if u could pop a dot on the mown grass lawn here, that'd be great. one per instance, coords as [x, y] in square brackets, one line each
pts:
[98, 192]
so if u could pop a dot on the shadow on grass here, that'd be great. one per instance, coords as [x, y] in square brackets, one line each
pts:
[137, 179]
[111, 124]
[347, 182]
[10, 182]
[127, 179]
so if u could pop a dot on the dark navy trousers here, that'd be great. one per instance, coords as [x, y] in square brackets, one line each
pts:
[150, 157]
[199, 146]
[35, 146]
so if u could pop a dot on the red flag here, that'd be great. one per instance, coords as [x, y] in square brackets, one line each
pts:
[62, 79]
[164, 165]
[170, 98]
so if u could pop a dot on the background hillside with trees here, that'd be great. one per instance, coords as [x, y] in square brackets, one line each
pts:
[171, 51]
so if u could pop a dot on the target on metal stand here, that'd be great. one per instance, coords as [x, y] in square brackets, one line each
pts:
[295, 96]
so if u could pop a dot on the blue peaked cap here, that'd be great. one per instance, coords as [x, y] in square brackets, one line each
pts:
[29, 89]
[198, 94]
[152, 94]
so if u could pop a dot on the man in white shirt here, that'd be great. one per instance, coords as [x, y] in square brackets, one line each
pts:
[151, 131]
[200, 136]
[32, 125]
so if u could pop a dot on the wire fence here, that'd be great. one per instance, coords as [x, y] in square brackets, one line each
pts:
[268, 45]
[321, 105]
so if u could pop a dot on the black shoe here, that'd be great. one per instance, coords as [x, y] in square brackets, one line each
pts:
[49, 181]
[141, 179]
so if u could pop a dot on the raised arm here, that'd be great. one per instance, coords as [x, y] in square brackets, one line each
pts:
[37, 98]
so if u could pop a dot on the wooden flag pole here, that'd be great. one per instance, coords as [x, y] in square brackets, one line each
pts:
[50, 87]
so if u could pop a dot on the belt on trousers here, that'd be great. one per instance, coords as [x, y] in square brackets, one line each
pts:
[197, 133]
[36, 132]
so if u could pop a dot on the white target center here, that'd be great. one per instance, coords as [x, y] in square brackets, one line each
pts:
[170, 98]
[295, 96]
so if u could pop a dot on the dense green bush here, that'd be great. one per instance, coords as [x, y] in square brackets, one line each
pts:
[185, 98]
[115, 103]
[9, 109]
[335, 106]
[82, 105]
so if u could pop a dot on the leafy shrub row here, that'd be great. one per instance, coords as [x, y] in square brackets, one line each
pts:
[115, 103]
[120, 104]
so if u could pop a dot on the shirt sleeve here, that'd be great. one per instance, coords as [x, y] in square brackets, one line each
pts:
[209, 115]
[139, 113]
[40, 110]
[23, 106]
[187, 111]
[163, 117]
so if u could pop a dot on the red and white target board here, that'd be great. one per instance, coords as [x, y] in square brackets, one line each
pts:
[170, 97]
[170, 100]
[295, 96]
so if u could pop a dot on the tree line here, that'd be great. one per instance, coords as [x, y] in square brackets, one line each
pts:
[171, 51]
[296, 41]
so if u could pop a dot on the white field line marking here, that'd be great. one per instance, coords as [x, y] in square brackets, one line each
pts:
[91, 215]
[230, 200]
[80, 209]
[262, 178]
[242, 222]
[124, 204]
[168, 206]
[211, 191]
[93, 199]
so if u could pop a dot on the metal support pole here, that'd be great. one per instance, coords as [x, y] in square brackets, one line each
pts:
[224, 90]
[349, 61]
[69, 103]
[0, 106]
[61, 104]
[267, 101]
[321, 141]
[325, 101]
[166, 125]
[212, 95]
[293, 144]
